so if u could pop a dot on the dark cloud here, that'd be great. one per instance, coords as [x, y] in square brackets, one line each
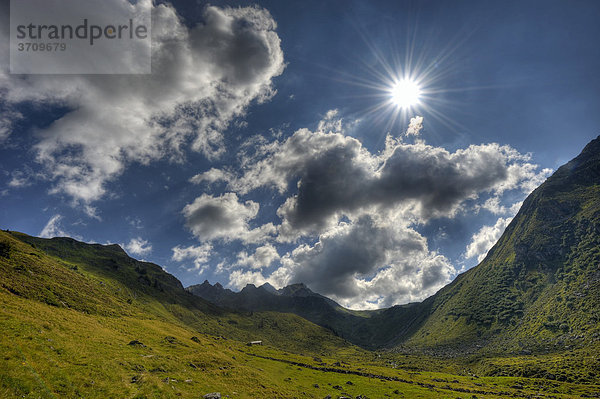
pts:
[331, 182]
[336, 176]
[240, 41]
[345, 178]
[437, 179]
[336, 263]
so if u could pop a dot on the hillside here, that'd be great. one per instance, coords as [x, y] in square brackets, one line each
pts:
[70, 308]
[369, 329]
[85, 320]
[103, 280]
[538, 289]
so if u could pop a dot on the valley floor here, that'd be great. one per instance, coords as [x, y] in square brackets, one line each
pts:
[52, 352]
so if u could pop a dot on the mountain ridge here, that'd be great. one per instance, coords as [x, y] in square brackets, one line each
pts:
[523, 275]
[537, 287]
[87, 320]
[516, 283]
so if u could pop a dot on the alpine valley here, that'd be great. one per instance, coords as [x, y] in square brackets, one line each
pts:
[87, 320]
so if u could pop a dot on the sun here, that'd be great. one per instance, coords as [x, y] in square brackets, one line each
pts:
[405, 93]
[396, 84]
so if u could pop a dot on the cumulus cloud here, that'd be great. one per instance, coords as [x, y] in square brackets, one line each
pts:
[263, 256]
[198, 254]
[202, 78]
[138, 246]
[238, 279]
[356, 210]
[485, 238]
[336, 176]
[366, 264]
[224, 217]
[439, 181]
[275, 164]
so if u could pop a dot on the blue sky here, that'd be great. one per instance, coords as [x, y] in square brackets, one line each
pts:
[266, 145]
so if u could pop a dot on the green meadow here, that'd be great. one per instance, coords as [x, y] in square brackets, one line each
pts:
[85, 324]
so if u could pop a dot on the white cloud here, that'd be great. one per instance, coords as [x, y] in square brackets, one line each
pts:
[415, 126]
[7, 121]
[523, 176]
[200, 256]
[264, 256]
[338, 177]
[135, 222]
[19, 179]
[53, 228]
[238, 279]
[224, 217]
[485, 238]
[495, 206]
[213, 175]
[203, 77]
[331, 123]
[138, 246]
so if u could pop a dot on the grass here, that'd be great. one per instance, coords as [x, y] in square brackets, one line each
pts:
[51, 352]
[75, 325]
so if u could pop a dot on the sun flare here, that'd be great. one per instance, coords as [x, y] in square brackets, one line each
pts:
[405, 93]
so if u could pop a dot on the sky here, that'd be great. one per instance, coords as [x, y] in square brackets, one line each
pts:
[371, 150]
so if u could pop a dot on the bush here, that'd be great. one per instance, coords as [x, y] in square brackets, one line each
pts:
[4, 249]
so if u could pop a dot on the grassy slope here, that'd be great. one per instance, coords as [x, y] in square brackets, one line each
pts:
[539, 287]
[370, 329]
[103, 280]
[60, 353]
[66, 325]
[537, 290]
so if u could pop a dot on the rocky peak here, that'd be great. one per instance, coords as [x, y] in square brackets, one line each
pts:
[298, 289]
[248, 288]
[269, 288]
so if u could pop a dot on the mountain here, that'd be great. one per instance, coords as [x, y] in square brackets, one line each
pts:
[370, 329]
[265, 296]
[537, 289]
[212, 293]
[103, 280]
[86, 320]
[295, 298]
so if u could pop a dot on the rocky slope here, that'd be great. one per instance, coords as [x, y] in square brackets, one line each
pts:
[295, 298]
